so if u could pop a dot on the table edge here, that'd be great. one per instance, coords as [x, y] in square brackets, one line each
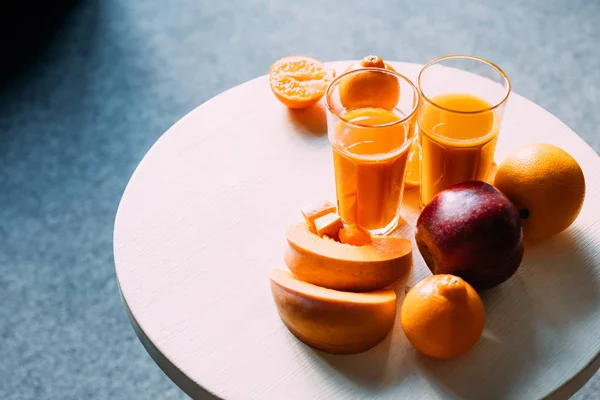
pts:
[194, 389]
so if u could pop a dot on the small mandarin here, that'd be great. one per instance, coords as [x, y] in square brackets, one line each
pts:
[443, 316]
[368, 88]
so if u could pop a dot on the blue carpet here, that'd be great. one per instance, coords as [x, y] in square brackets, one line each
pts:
[80, 112]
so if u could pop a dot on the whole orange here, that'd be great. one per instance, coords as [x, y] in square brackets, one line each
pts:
[547, 186]
[443, 316]
[298, 81]
[368, 88]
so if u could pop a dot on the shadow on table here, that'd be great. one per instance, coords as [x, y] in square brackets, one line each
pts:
[551, 290]
[562, 281]
[311, 121]
[505, 355]
[47, 48]
[366, 369]
[375, 371]
[379, 368]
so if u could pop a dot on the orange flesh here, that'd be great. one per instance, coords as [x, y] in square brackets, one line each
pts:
[299, 82]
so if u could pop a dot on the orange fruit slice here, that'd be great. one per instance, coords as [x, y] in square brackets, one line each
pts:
[298, 81]
[546, 184]
[413, 167]
[442, 316]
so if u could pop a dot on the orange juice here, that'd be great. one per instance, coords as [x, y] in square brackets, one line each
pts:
[458, 135]
[369, 156]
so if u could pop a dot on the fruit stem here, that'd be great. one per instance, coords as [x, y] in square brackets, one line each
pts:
[372, 61]
[452, 289]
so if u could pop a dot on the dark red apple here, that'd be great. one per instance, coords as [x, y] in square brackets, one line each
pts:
[473, 231]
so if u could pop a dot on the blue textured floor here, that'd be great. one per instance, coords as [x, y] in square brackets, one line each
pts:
[77, 118]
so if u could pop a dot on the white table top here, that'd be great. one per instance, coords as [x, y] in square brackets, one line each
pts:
[201, 225]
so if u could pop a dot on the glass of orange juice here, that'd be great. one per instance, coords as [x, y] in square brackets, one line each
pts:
[371, 122]
[462, 102]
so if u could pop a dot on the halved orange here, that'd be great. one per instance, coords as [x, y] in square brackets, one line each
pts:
[298, 81]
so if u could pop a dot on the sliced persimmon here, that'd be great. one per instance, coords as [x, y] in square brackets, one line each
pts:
[330, 320]
[345, 267]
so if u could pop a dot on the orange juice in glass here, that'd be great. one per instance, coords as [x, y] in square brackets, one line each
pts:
[371, 124]
[461, 107]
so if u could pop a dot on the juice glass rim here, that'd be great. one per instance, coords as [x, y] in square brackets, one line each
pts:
[475, 58]
[378, 70]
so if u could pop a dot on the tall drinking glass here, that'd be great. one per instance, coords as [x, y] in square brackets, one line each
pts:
[371, 125]
[462, 102]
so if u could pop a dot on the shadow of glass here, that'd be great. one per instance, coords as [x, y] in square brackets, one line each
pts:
[366, 369]
[311, 121]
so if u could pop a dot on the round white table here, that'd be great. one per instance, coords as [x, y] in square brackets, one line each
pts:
[201, 225]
